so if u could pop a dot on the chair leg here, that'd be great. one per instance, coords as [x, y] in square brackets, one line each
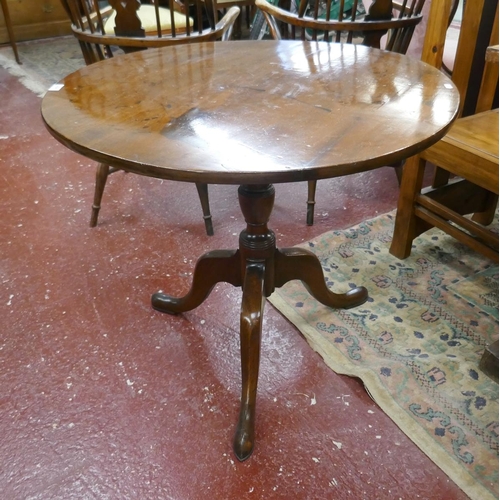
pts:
[486, 217]
[205, 206]
[311, 194]
[489, 361]
[101, 177]
[405, 224]
[441, 177]
[10, 31]
[398, 170]
[248, 17]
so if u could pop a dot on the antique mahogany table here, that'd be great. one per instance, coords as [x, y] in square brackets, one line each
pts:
[252, 114]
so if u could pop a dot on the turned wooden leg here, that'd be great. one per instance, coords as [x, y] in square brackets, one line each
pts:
[258, 266]
[311, 201]
[101, 177]
[300, 264]
[211, 268]
[398, 170]
[252, 310]
[488, 214]
[205, 206]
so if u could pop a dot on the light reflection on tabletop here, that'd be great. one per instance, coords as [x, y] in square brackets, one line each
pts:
[287, 106]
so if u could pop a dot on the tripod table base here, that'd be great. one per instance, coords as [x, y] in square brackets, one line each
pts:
[258, 267]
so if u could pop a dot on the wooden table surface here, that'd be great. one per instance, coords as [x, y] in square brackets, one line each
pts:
[252, 113]
[246, 111]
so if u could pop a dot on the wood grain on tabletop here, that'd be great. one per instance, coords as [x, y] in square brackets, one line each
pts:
[239, 111]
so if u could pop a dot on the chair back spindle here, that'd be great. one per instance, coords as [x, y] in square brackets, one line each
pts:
[130, 25]
[385, 24]
[108, 28]
[345, 21]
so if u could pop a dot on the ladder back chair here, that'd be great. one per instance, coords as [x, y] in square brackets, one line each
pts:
[385, 24]
[468, 153]
[105, 29]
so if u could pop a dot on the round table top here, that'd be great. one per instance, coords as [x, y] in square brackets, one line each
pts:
[252, 112]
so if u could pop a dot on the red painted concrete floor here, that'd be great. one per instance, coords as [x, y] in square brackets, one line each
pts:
[104, 398]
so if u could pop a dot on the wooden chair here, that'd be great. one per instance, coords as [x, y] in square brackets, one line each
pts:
[128, 25]
[468, 153]
[248, 6]
[388, 25]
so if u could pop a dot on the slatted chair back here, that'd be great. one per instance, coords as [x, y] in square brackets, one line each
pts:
[102, 26]
[385, 24]
[345, 20]
[477, 81]
[105, 28]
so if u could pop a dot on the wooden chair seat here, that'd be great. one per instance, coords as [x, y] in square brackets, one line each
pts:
[147, 15]
[470, 152]
[470, 149]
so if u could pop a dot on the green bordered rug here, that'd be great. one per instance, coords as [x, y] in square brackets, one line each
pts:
[416, 343]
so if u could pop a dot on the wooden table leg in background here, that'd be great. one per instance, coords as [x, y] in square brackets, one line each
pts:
[10, 31]
[258, 267]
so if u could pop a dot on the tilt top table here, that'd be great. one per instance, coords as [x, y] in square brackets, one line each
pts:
[252, 114]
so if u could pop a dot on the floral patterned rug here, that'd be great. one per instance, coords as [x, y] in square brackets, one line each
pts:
[416, 343]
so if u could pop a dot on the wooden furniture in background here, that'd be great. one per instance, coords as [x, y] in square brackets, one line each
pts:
[34, 19]
[490, 357]
[10, 31]
[220, 97]
[127, 26]
[308, 21]
[311, 23]
[469, 151]
[247, 7]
